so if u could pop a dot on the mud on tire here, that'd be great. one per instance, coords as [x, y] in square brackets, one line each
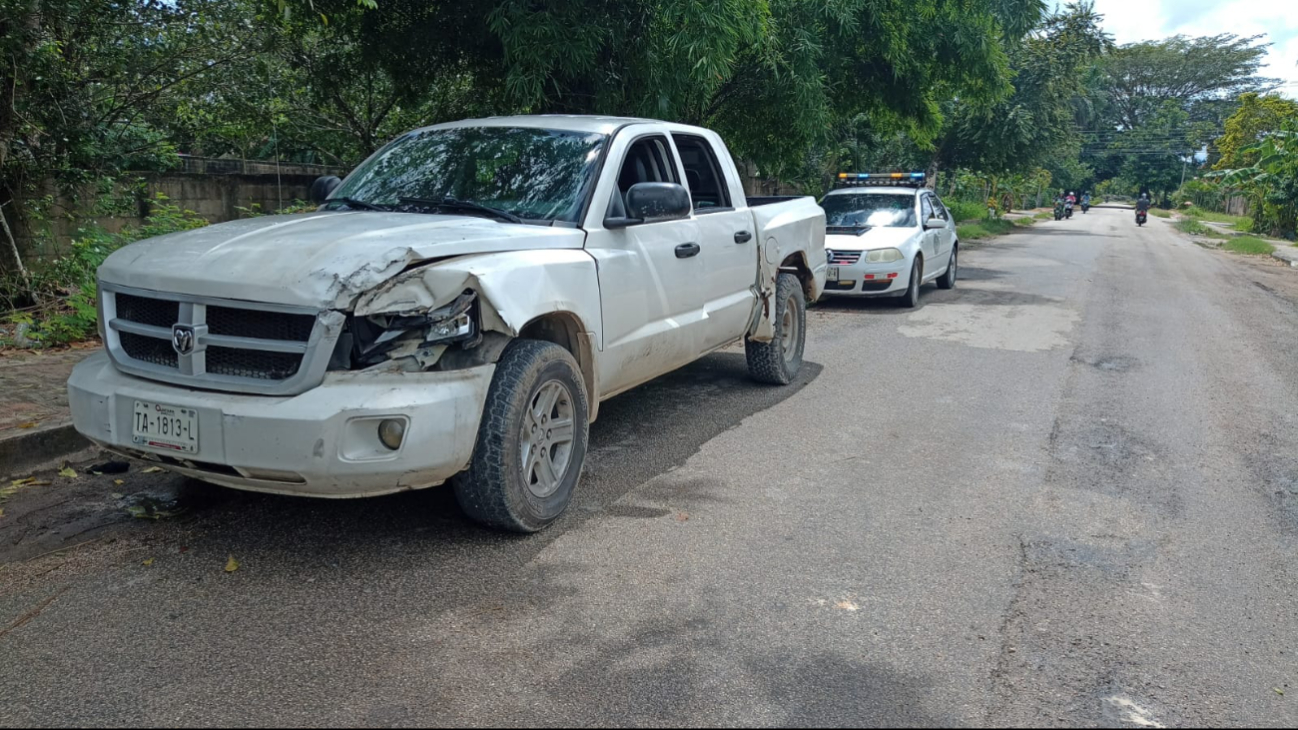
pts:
[501, 487]
[778, 361]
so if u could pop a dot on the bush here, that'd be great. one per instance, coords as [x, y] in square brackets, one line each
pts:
[966, 211]
[65, 288]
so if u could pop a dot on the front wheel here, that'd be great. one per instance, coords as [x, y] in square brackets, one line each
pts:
[947, 280]
[910, 299]
[777, 362]
[532, 440]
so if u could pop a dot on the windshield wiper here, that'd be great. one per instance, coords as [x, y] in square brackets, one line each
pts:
[464, 205]
[358, 204]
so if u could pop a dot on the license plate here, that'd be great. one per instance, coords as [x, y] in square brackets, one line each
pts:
[161, 426]
[833, 273]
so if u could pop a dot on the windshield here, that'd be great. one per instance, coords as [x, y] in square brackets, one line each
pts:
[872, 210]
[535, 174]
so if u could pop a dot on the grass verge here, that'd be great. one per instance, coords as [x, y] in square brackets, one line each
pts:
[1044, 216]
[1193, 227]
[1238, 222]
[1248, 245]
[984, 229]
[1160, 213]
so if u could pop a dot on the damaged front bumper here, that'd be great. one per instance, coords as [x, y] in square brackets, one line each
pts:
[321, 443]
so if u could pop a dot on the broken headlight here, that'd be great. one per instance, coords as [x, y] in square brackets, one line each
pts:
[376, 338]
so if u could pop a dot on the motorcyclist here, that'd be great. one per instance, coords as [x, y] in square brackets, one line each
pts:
[1059, 205]
[1142, 204]
[1086, 198]
[1069, 202]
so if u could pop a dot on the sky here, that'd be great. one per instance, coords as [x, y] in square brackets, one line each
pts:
[1130, 21]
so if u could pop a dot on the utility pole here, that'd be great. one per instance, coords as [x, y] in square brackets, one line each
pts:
[1184, 161]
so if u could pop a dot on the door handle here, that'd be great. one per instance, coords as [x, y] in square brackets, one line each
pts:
[743, 237]
[686, 250]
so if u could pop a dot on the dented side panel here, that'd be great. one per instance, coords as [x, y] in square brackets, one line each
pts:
[795, 227]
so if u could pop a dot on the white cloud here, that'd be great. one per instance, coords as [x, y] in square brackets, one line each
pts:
[1138, 20]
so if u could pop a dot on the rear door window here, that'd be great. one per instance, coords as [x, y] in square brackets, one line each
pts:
[703, 177]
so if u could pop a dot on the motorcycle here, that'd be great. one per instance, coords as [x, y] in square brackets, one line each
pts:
[1085, 207]
[1059, 211]
[1068, 210]
[1141, 217]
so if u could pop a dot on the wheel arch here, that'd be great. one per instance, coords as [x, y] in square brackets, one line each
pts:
[567, 330]
[796, 264]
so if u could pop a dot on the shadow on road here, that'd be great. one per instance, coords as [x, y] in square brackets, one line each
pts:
[639, 435]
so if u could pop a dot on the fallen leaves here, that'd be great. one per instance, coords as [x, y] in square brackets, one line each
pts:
[682, 516]
[68, 472]
[29, 424]
[1278, 691]
[119, 482]
[152, 470]
[231, 565]
[147, 562]
[17, 484]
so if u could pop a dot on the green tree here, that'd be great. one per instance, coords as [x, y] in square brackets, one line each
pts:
[1197, 74]
[1036, 122]
[1271, 183]
[772, 76]
[1256, 116]
[82, 83]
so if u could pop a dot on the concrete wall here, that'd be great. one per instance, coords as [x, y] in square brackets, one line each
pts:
[213, 188]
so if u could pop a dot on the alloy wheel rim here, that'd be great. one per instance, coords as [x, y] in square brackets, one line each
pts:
[548, 436]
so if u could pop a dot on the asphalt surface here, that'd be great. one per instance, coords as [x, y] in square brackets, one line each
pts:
[1065, 493]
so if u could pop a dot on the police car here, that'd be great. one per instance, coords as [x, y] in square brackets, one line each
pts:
[886, 236]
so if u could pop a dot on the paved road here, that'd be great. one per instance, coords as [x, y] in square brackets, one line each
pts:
[1065, 493]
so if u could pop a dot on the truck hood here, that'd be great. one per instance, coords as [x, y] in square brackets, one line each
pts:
[322, 259]
[871, 240]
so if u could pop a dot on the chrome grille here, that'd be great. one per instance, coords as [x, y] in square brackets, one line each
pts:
[844, 258]
[236, 346]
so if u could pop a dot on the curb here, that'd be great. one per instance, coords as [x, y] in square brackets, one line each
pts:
[1288, 255]
[28, 451]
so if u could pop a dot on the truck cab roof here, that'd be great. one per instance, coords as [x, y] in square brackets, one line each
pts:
[566, 122]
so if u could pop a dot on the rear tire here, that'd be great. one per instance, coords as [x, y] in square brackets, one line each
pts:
[947, 280]
[777, 362]
[910, 299]
[531, 442]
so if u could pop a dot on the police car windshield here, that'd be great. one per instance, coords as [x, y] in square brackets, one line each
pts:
[869, 210]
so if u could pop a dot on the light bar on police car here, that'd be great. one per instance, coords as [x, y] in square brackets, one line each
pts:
[881, 178]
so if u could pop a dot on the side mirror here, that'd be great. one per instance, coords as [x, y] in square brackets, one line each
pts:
[934, 222]
[323, 187]
[653, 202]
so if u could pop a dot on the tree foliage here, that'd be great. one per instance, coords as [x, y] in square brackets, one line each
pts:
[1023, 130]
[771, 75]
[1256, 116]
[1197, 74]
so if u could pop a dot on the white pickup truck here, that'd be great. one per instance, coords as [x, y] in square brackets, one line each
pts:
[455, 311]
